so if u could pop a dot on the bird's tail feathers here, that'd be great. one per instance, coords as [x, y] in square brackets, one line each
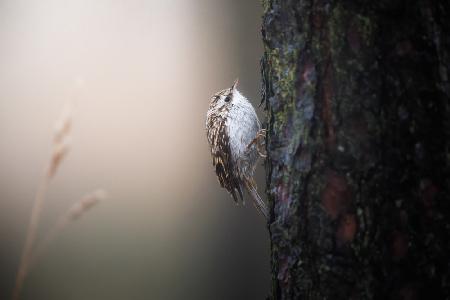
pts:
[257, 201]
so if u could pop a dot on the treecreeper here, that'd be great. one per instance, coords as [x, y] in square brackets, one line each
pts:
[235, 137]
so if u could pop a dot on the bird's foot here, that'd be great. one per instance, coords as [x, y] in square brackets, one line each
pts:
[259, 142]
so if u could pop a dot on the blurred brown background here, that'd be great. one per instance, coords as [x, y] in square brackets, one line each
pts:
[140, 74]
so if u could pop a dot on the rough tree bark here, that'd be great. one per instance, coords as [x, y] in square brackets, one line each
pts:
[357, 99]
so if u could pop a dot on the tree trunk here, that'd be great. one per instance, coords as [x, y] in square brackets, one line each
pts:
[357, 97]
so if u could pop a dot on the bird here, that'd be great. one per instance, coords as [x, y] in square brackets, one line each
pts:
[235, 138]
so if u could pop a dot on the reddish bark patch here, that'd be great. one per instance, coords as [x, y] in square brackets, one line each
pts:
[403, 48]
[354, 38]
[308, 69]
[408, 292]
[336, 195]
[327, 114]
[358, 126]
[429, 192]
[283, 193]
[399, 245]
[283, 273]
[346, 229]
[307, 78]
[317, 20]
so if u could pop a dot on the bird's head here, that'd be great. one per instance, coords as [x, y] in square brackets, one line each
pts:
[223, 99]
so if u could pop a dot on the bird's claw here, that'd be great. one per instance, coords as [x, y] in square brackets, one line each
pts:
[259, 142]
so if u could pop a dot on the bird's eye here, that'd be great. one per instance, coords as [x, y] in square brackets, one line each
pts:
[227, 99]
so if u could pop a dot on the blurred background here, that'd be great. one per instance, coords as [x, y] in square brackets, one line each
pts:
[140, 74]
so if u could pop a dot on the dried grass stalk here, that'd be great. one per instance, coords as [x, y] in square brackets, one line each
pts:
[60, 149]
[31, 236]
[77, 210]
[31, 254]
[63, 124]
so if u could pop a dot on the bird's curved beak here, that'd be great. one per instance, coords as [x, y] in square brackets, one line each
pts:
[234, 86]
